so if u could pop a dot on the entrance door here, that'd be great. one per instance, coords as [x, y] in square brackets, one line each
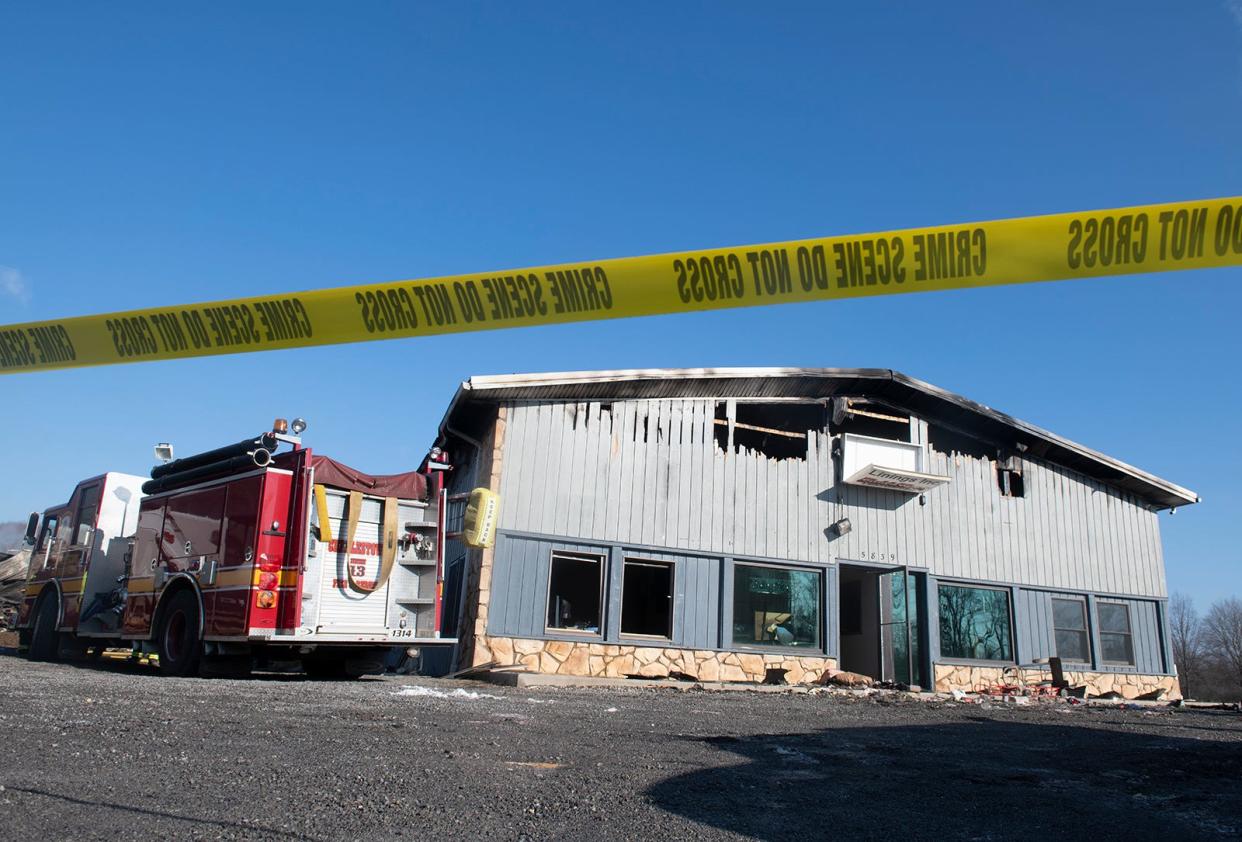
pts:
[880, 611]
[901, 594]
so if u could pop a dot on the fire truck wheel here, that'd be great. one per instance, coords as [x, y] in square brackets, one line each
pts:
[367, 663]
[179, 643]
[44, 639]
[323, 667]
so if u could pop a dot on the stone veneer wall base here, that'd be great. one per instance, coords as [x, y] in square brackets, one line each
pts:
[970, 679]
[608, 660]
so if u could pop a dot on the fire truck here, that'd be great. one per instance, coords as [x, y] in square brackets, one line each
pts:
[239, 552]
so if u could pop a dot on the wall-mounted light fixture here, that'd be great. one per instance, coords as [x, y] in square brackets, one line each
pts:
[842, 527]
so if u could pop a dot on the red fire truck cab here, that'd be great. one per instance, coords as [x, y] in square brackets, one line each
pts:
[237, 552]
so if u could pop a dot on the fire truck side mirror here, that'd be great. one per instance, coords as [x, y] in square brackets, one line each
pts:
[32, 528]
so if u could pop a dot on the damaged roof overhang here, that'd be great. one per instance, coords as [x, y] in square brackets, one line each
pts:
[894, 388]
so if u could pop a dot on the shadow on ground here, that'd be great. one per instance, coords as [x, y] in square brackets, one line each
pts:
[975, 779]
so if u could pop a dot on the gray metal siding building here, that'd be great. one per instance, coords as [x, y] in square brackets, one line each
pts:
[801, 519]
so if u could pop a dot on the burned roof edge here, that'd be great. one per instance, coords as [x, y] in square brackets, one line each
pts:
[917, 396]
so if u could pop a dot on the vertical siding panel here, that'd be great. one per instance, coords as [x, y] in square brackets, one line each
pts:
[1108, 564]
[711, 535]
[667, 519]
[614, 453]
[1071, 513]
[731, 506]
[1145, 573]
[524, 416]
[575, 424]
[1073, 502]
[1106, 547]
[721, 520]
[933, 514]
[961, 518]
[698, 479]
[1156, 563]
[802, 538]
[816, 522]
[638, 487]
[828, 507]
[511, 476]
[687, 480]
[686, 587]
[1083, 549]
[591, 473]
[778, 511]
[707, 611]
[1115, 509]
[665, 481]
[966, 517]
[1021, 536]
[632, 479]
[648, 493]
[1055, 530]
[602, 468]
[553, 494]
[1126, 545]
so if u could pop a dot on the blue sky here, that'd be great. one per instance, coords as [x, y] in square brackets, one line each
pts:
[154, 154]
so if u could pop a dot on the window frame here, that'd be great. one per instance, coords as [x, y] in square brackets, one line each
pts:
[1128, 634]
[941, 657]
[1085, 631]
[626, 561]
[76, 539]
[821, 627]
[577, 555]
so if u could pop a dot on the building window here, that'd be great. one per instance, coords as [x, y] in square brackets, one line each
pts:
[575, 587]
[1069, 628]
[776, 606]
[975, 623]
[1116, 642]
[647, 598]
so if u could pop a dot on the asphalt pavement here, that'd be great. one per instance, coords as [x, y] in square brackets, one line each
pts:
[115, 752]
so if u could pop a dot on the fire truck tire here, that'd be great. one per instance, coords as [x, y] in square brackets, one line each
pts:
[360, 665]
[180, 645]
[324, 667]
[343, 665]
[44, 639]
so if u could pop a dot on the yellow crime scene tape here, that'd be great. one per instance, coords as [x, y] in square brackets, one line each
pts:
[1124, 241]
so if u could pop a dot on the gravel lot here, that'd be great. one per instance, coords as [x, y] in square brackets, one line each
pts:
[115, 752]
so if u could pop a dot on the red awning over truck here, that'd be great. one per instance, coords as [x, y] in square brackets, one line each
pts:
[407, 486]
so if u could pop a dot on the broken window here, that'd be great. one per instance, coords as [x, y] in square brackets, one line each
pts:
[775, 430]
[647, 598]
[1010, 482]
[1069, 628]
[776, 606]
[575, 586]
[1116, 641]
[865, 418]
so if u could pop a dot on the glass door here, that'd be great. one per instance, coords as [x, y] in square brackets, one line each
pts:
[901, 593]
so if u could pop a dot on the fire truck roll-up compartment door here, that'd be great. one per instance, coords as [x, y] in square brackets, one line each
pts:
[347, 595]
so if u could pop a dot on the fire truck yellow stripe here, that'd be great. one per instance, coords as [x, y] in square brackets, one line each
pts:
[140, 584]
[1122, 241]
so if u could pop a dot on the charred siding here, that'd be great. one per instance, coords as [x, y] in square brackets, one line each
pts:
[650, 472]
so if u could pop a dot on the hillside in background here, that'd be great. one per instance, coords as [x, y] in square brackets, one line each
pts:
[11, 533]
